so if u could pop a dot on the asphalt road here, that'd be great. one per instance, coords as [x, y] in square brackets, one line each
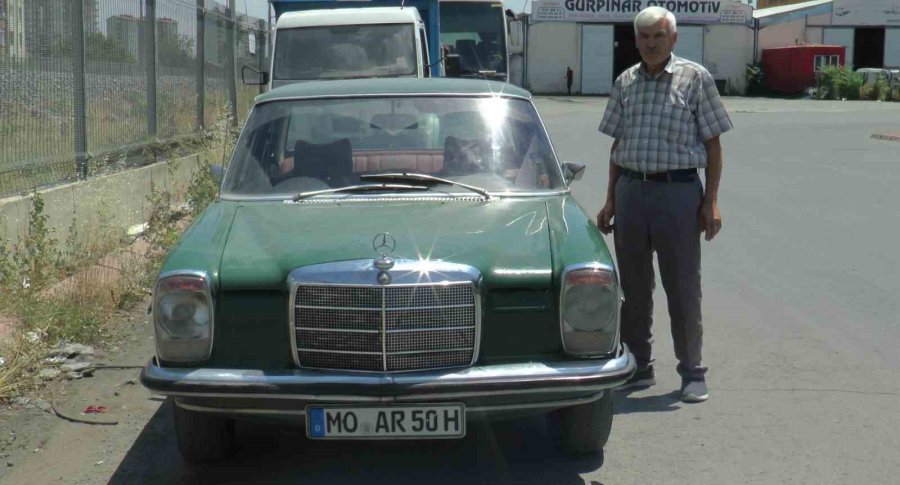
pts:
[800, 304]
[802, 339]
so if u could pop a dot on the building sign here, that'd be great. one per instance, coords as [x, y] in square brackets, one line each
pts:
[687, 11]
[866, 12]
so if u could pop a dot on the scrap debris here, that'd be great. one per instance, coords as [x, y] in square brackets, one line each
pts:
[86, 420]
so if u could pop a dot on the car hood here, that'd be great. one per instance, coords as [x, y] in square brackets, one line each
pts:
[507, 240]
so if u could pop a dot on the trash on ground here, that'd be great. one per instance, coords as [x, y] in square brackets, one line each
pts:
[95, 410]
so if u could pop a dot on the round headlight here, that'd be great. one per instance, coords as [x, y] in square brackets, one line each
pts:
[184, 315]
[590, 307]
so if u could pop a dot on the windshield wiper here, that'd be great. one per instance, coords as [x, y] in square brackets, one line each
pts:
[421, 177]
[358, 188]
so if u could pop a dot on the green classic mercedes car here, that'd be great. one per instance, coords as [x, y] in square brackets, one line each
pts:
[389, 259]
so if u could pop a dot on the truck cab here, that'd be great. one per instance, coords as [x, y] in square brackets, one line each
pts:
[465, 38]
[348, 43]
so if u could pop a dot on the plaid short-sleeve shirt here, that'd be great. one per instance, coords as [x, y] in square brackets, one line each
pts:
[661, 122]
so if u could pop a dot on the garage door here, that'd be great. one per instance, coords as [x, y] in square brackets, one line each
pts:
[690, 43]
[596, 59]
[842, 37]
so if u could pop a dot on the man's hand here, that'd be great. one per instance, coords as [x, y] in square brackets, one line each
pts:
[605, 216]
[710, 219]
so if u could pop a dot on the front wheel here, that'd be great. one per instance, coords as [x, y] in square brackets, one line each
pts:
[584, 429]
[203, 437]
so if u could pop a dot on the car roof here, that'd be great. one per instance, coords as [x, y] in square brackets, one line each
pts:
[393, 87]
[348, 16]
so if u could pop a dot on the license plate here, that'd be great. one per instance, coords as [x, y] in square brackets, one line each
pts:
[386, 422]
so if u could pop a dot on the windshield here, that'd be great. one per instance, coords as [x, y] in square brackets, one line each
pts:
[289, 147]
[345, 51]
[474, 31]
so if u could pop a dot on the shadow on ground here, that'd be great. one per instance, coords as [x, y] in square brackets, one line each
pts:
[517, 452]
[627, 403]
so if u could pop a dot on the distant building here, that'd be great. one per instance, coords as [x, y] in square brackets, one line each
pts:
[12, 29]
[3, 25]
[48, 23]
[599, 43]
[125, 30]
[776, 3]
[215, 38]
[868, 29]
[166, 30]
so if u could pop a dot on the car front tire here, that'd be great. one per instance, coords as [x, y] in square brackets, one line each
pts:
[203, 438]
[584, 429]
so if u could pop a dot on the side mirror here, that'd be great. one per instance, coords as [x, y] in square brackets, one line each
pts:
[218, 173]
[451, 65]
[259, 77]
[573, 171]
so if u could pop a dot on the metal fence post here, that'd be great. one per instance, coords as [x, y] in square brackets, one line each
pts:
[260, 52]
[230, 71]
[201, 64]
[80, 121]
[150, 64]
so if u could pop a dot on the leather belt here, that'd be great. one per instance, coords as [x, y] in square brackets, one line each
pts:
[681, 175]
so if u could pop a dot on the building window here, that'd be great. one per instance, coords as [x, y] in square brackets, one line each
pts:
[822, 61]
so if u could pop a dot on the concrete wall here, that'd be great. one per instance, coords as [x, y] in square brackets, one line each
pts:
[807, 30]
[727, 49]
[823, 20]
[815, 28]
[119, 199]
[815, 35]
[551, 47]
[782, 35]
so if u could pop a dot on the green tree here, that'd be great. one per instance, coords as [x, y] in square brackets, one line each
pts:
[176, 51]
[98, 47]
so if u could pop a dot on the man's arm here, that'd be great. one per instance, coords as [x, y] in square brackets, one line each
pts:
[710, 219]
[613, 175]
[609, 209]
[612, 124]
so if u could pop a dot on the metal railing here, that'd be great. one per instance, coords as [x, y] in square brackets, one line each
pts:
[86, 86]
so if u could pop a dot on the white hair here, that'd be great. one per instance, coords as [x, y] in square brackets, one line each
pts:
[652, 15]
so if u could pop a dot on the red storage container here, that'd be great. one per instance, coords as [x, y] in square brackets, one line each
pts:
[790, 70]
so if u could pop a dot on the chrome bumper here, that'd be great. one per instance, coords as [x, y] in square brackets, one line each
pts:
[509, 386]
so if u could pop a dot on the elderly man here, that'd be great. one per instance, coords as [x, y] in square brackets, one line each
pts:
[666, 117]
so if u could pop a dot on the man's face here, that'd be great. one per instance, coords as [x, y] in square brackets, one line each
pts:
[655, 43]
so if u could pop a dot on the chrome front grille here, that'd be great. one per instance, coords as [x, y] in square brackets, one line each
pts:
[389, 328]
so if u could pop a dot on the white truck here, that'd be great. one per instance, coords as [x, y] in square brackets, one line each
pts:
[347, 43]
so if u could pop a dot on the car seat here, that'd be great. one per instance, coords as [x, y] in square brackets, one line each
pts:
[331, 163]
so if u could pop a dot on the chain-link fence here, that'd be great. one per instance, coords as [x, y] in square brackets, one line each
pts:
[88, 85]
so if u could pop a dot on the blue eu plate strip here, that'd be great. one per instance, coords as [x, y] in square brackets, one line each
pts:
[316, 422]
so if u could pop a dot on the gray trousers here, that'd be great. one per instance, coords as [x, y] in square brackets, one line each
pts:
[660, 217]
